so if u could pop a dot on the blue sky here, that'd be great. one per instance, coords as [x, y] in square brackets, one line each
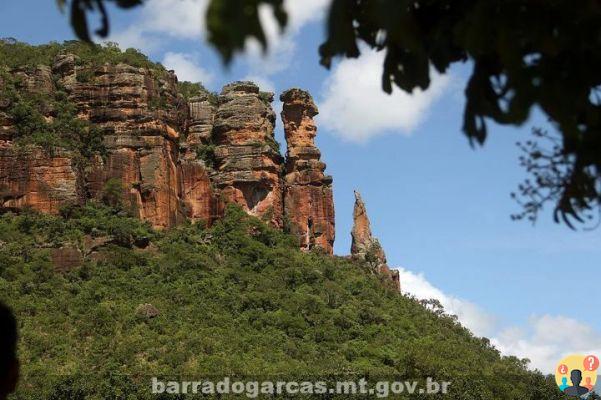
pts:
[440, 208]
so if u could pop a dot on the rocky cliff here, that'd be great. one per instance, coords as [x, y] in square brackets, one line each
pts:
[140, 137]
[165, 156]
[366, 248]
[247, 158]
[308, 202]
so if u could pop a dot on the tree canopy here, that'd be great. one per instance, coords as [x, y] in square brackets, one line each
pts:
[525, 55]
[238, 299]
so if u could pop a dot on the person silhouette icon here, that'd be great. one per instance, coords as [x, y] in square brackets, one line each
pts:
[564, 384]
[576, 390]
[589, 383]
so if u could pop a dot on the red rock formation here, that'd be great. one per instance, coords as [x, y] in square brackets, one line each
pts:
[146, 169]
[172, 159]
[308, 200]
[41, 179]
[38, 80]
[140, 115]
[248, 163]
[366, 248]
[197, 190]
[33, 178]
[201, 119]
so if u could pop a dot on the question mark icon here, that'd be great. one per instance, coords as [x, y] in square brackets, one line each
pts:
[563, 369]
[591, 363]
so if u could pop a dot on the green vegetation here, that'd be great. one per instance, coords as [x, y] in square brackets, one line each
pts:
[50, 120]
[190, 89]
[14, 54]
[266, 97]
[158, 103]
[238, 299]
[195, 89]
[112, 193]
[206, 152]
[61, 129]
[85, 75]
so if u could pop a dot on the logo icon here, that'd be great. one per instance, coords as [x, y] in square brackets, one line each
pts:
[576, 375]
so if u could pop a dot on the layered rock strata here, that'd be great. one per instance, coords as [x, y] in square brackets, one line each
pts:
[198, 196]
[140, 116]
[164, 157]
[37, 178]
[32, 178]
[247, 160]
[171, 159]
[308, 200]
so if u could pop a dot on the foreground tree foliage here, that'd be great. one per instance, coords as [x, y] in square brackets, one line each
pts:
[525, 54]
[238, 299]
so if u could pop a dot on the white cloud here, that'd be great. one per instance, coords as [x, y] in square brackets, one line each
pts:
[469, 314]
[300, 13]
[163, 19]
[186, 68]
[132, 38]
[185, 19]
[354, 106]
[303, 12]
[545, 340]
[178, 18]
[282, 46]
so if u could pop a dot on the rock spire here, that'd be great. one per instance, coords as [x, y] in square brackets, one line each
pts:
[366, 248]
[308, 199]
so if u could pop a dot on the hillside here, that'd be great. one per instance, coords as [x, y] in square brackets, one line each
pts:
[149, 228]
[238, 299]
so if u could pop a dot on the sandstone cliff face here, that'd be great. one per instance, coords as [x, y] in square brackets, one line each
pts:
[247, 161]
[34, 179]
[198, 196]
[308, 200]
[367, 248]
[172, 159]
[39, 80]
[140, 117]
[40, 179]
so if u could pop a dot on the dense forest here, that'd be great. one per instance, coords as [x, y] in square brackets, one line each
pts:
[237, 299]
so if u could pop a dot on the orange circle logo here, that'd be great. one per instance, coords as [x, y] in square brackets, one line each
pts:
[576, 375]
